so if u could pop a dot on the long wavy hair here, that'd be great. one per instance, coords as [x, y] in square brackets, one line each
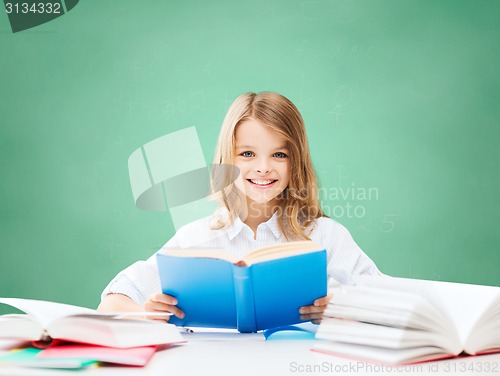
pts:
[298, 205]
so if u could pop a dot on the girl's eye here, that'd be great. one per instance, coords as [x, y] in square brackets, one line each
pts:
[280, 155]
[247, 154]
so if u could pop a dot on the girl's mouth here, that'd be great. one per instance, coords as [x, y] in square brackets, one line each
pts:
[262, 182]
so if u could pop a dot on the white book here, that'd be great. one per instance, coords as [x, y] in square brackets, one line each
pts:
[45, 321]
[400, 320]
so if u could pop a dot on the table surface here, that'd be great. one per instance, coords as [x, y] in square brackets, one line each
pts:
[216, 353]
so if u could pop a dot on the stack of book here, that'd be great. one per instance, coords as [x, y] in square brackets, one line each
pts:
[55, 335]
[401, 321]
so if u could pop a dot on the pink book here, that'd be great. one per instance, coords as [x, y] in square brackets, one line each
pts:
[134, 356]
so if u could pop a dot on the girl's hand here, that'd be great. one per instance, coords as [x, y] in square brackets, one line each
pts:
[162, 303]
[315, 311]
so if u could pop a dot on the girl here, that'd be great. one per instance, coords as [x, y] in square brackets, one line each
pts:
[273, 200]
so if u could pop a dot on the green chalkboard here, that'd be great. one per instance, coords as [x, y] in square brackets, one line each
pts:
[400, 99]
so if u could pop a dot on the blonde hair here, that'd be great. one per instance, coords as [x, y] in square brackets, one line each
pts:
[299, 204]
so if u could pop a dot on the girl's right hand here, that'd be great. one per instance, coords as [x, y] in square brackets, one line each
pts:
[162, 303]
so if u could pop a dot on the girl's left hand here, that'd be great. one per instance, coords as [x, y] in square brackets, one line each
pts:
[315, 311]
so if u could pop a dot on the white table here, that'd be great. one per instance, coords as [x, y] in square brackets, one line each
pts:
[250, 354]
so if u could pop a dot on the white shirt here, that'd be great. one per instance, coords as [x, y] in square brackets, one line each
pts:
[141, 279]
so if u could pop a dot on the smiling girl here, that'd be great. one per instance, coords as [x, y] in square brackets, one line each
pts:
[274, 200]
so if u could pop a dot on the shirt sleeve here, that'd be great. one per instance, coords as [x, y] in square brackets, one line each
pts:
[138, 281]
[345, 257]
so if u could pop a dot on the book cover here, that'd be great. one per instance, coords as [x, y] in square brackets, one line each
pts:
[217, 293]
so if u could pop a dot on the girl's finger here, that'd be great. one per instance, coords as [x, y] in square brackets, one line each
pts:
[312, 309]
[311, 316]
[323, 301]
[162, 298]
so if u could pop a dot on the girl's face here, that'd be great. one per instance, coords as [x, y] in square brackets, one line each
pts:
[262, 157]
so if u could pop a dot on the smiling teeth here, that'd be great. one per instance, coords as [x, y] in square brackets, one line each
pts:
[262, 182]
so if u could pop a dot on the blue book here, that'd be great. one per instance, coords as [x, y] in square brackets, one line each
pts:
[264, 290]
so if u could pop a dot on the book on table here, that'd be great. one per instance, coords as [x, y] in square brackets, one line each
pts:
[28, 357]
[46, 321]
[76, 356]
[263, 290]
[402, 321]
[132, 356]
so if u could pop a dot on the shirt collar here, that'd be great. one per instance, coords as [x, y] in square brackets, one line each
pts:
[237, 226]
[273, 225]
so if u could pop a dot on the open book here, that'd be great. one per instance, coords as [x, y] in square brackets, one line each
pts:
[265, 290]
[45, 321]
[399, 321]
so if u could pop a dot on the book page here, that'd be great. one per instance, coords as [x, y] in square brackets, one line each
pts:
[270, 252]
[46, 312]
[282, 250]
[380, 354]
[201, 252]
[19, 326]
[465, 304]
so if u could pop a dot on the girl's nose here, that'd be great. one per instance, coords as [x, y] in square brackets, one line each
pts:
[263, 166]
[262, 170]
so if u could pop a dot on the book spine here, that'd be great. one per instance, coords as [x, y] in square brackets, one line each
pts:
[244, 297]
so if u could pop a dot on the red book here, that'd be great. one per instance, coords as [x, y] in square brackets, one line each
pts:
[134, 356]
